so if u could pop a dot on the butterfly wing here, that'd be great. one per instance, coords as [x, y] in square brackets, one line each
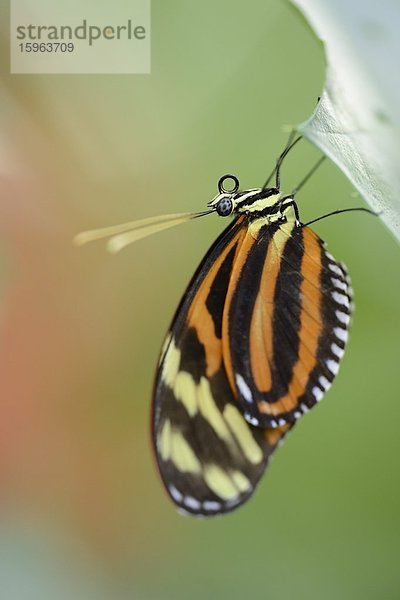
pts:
[210, 458]
[285, 323]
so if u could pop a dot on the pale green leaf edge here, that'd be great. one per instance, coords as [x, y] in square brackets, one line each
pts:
[353, 124]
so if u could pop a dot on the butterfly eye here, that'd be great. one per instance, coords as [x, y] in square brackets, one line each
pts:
[224, 207]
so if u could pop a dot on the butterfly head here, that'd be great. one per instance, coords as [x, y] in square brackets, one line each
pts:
[224, 203]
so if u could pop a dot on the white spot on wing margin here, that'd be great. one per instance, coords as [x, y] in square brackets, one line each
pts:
[244, 388]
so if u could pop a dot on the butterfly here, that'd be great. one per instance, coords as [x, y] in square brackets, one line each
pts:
[254, 344]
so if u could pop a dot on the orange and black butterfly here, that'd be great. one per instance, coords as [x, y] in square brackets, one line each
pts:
[255, 343]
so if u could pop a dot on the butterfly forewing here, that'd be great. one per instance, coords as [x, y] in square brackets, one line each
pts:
[285, 323]
[210, 458]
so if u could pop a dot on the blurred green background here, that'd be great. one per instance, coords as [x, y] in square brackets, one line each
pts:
[83, 513]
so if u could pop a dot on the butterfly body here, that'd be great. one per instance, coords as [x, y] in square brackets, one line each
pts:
[254, 344]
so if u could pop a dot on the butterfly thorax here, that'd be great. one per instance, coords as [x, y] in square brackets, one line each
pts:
[261, 206]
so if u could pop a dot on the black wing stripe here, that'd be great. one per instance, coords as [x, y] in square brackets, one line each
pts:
[218, 289]
[287, 289]
[287, 294]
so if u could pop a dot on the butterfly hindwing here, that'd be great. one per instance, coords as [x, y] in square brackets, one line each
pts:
[285, 323]
[210, 458]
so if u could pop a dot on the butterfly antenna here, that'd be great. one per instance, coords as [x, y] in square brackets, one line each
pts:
[276, 171]
[308, 176]
[343, 210]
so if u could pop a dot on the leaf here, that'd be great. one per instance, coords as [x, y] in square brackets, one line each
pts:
[357, 121]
